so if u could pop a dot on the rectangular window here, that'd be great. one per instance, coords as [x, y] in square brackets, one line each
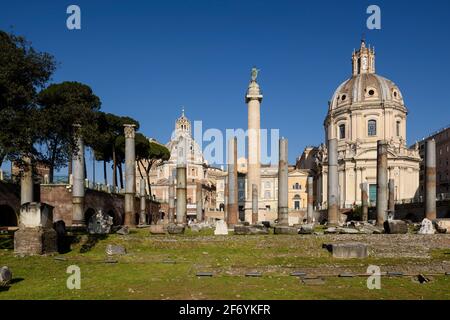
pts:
[372, 128]
[342, 131]
[297, 205]
[373, 193]
[398, 128]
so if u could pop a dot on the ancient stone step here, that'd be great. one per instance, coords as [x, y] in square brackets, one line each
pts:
[349, 250]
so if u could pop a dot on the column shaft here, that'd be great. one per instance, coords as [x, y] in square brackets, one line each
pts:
[430, 180]
[199, 201]
[310, 207]
[78, 188]
[254, 204]
[26, 182]
[333, 183]
[142, 213]
[130, 175]
[283, 212]
[233, 208]
[382, 181]
[364, 201]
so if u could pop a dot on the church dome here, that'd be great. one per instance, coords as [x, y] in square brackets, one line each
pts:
[365, 85]
[368, 87]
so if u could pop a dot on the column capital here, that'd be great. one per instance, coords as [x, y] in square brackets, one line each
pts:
[129, 130]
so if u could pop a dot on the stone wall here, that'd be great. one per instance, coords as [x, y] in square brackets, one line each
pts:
[60, 197]
[416, 211]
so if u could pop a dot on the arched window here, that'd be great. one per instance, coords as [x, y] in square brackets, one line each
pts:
[342, 131]
[372, 128]
[297, 186]
[397, 128]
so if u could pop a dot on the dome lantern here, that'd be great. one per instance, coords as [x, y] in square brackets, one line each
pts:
[363, 60]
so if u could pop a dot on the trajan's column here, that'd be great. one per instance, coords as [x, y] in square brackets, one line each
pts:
[253, 99]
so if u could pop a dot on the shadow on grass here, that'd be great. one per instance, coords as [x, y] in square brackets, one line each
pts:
[5, 287]
[91, 242]
[7, 242]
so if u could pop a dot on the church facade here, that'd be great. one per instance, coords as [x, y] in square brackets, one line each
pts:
[197, 171]
[364, 109]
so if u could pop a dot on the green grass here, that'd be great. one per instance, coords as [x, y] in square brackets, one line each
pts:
[144, 273]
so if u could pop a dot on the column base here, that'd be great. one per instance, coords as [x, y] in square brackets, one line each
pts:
[35, 241]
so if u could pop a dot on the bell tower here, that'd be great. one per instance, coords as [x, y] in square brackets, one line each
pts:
[363, 60]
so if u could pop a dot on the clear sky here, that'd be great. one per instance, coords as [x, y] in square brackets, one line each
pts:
[145, 59]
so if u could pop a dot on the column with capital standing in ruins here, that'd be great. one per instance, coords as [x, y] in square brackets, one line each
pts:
[253, 99]
[130, 175]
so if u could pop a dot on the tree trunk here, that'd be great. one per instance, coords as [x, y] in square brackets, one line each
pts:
[85, 169]
[120, 175]
[51, 172]
[114, 168]
[105, 174]
[69, 166]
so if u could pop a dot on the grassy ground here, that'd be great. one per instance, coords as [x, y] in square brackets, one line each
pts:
[165, 267]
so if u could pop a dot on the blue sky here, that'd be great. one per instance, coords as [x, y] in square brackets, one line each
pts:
[145, 59]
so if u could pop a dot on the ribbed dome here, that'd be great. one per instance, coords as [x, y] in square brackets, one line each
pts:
[366, 87]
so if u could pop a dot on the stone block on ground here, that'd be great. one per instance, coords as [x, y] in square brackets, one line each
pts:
[221, 228]
[427, 227]
[123, 231]
[250, 230]
[395, 227]
[348, 230]
[112, 250]
[349, 250]
[157, 229]
[175, 229]
[307, 228]
[442, 225]
[285, 230]
[368, 228]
